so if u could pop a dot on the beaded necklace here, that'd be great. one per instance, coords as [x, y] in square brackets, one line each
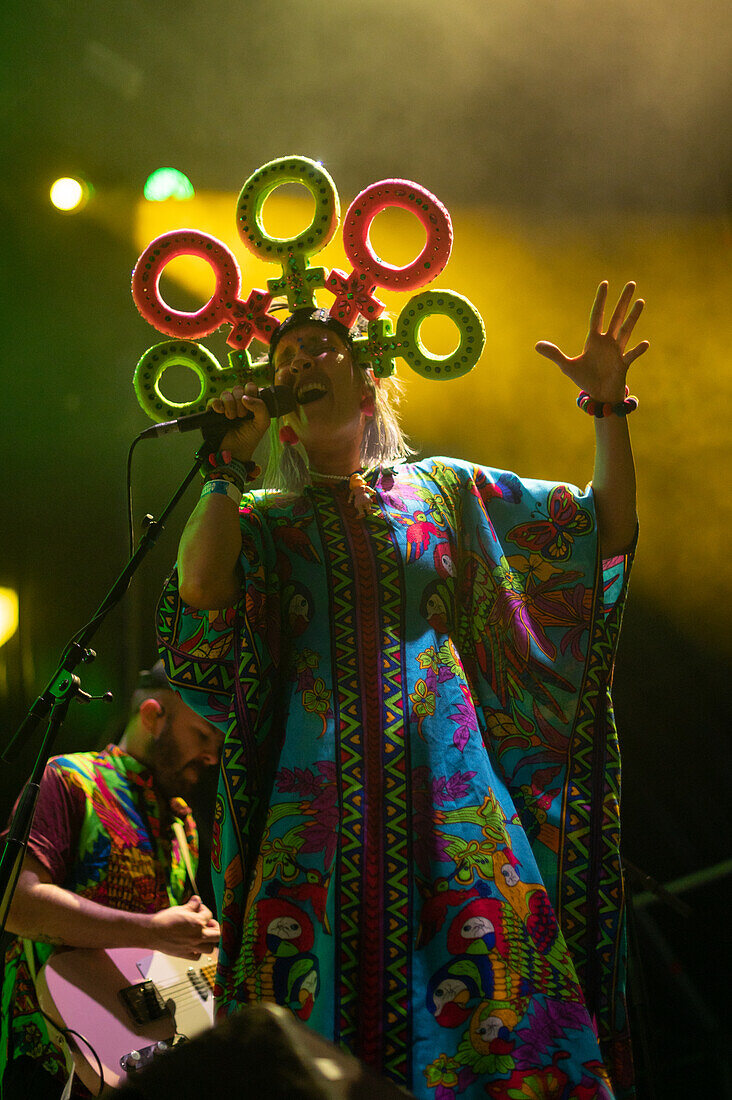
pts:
[334, 477]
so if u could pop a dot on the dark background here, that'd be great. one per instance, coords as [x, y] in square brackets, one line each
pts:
[562, 114]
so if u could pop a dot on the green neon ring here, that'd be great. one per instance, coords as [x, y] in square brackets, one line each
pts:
[260, 186]
[212, 377]
[467, 321]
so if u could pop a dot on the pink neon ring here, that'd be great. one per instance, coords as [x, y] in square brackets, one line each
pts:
[150, 266]
[418, 201]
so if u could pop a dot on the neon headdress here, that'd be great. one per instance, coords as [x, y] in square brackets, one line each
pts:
[353, 291]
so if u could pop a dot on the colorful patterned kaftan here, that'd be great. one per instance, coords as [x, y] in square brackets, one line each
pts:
[98, 833]
[417, 823]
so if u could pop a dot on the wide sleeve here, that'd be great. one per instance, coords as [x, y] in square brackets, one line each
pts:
[543, 615]
[201, 649]
[615, 575]
[197, 648]
[226, 666]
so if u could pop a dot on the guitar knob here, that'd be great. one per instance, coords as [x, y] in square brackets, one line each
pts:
[132, 1061]
[161, 1048]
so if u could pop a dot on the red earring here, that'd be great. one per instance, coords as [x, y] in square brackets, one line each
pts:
[288, 435]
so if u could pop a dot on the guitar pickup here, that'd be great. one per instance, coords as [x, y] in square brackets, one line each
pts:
[199, 983]
[144, 1003]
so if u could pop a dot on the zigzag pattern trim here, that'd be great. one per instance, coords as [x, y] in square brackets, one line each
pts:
[591, 886]
[396, 824]
[375, 848]
[349, 749]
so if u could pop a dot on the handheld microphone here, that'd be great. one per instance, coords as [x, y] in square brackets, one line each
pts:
[214, 426]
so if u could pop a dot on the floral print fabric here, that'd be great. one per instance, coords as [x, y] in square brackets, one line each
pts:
[416, 830]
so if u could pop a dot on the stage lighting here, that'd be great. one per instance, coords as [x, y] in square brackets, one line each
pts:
[8, 614]
[69, 194]
[167, 183]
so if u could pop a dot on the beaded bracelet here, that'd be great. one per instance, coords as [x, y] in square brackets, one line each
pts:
[599, 409]
[224, 488]
[224, 467]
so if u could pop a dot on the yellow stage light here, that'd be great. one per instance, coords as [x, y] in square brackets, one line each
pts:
[8, 614]
[69, 194]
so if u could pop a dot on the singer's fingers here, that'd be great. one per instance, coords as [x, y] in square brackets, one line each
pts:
[598, 307]
[217, 405]
[551, 351]
[232, 400]
[236, 402]
[620, 310]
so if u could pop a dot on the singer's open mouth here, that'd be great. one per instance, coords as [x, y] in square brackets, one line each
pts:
[311, 391]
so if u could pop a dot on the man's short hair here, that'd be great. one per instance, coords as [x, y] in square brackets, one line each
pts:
[150, 683]
[153, 678]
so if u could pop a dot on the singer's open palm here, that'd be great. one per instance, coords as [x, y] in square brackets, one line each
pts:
[601, 368]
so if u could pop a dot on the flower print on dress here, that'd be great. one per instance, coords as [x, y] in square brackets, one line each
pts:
[466, 719]
[501, 622]
[555, 599]
[315, 696]
[513, 609]
[320, 832]
[533, 802]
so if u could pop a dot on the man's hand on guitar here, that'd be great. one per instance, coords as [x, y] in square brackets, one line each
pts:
[187, 931]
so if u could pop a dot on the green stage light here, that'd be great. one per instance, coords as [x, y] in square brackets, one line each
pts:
[69, 194]
[167, 183]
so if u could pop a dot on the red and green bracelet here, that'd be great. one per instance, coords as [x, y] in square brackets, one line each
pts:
[222, 466]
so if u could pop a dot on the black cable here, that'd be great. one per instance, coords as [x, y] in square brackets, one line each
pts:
[130, 512]
[85, 1041]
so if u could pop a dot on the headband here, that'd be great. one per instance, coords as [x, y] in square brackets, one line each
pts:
[308, 317]
[353, 291]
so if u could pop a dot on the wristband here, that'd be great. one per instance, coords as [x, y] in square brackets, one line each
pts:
[223, 488]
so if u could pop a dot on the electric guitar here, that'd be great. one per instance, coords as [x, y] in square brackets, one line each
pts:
[128, 1004]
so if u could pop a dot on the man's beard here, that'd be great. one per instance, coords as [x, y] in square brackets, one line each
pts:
[172, 773]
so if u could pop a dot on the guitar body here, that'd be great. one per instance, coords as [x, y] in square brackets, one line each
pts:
[124, 1000]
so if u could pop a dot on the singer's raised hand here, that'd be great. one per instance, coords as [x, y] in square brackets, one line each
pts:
[234, 404]
[601, 367]
[600, 370]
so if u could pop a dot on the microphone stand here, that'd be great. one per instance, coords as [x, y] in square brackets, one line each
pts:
[64, 686]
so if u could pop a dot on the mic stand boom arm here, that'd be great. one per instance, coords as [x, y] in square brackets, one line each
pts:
[53, 704]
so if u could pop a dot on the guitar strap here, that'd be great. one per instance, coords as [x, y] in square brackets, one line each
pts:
[54, 1033]
[180, 836]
